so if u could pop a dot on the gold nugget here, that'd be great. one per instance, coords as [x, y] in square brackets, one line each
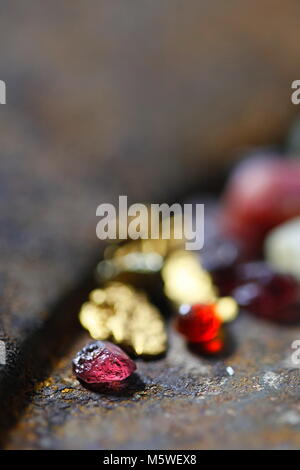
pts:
[186, 282]
[124, 315]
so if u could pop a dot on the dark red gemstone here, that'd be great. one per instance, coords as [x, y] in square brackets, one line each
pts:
[263, 192]
[102, 362]
[198, 323]
[268, 294]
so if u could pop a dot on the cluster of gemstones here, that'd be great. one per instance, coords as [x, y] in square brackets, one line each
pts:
[260, 217]
[251, 262]
[201, 313]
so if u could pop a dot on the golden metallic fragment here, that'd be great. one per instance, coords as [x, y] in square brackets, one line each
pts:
[124, 315]
[226, 309]
[142, 256]
[166, 234]
[186, 282]
[135, 262]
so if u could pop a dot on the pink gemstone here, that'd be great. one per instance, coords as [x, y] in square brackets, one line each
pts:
[262, 193]
[102, 362]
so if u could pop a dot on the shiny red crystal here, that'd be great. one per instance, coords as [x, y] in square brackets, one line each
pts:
[268, 294]
[102, 362]
[262, 193]
[198, 323]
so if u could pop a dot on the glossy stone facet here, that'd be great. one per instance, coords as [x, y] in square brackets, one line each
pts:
[198, 323]
[102, 362]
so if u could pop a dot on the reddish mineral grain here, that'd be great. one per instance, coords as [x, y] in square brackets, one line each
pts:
[267, 294]
[102, 362]
[198, 323]
[262, 193]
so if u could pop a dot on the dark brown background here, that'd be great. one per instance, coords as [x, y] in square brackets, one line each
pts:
[152, 99]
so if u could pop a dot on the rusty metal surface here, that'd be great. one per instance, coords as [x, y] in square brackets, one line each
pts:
[181, 401]
[141, 99]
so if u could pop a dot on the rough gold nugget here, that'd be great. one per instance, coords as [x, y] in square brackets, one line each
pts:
[186, 282]
[121, 313]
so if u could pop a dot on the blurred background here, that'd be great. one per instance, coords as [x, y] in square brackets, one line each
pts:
[152, 99]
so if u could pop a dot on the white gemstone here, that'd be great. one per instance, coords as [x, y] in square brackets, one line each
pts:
[282, 248]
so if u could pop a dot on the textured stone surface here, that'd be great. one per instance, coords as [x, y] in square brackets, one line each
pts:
[93, 93]
[177, 402]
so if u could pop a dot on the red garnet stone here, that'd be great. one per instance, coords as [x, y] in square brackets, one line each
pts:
[102, 362]
[198, 323]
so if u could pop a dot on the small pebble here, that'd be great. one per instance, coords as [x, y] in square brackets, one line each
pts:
[272, 379]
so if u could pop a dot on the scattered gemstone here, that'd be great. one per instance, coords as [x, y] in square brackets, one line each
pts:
[102, 362]
[262, 193]
[267, 294]
[198, 323]
[282, 248]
